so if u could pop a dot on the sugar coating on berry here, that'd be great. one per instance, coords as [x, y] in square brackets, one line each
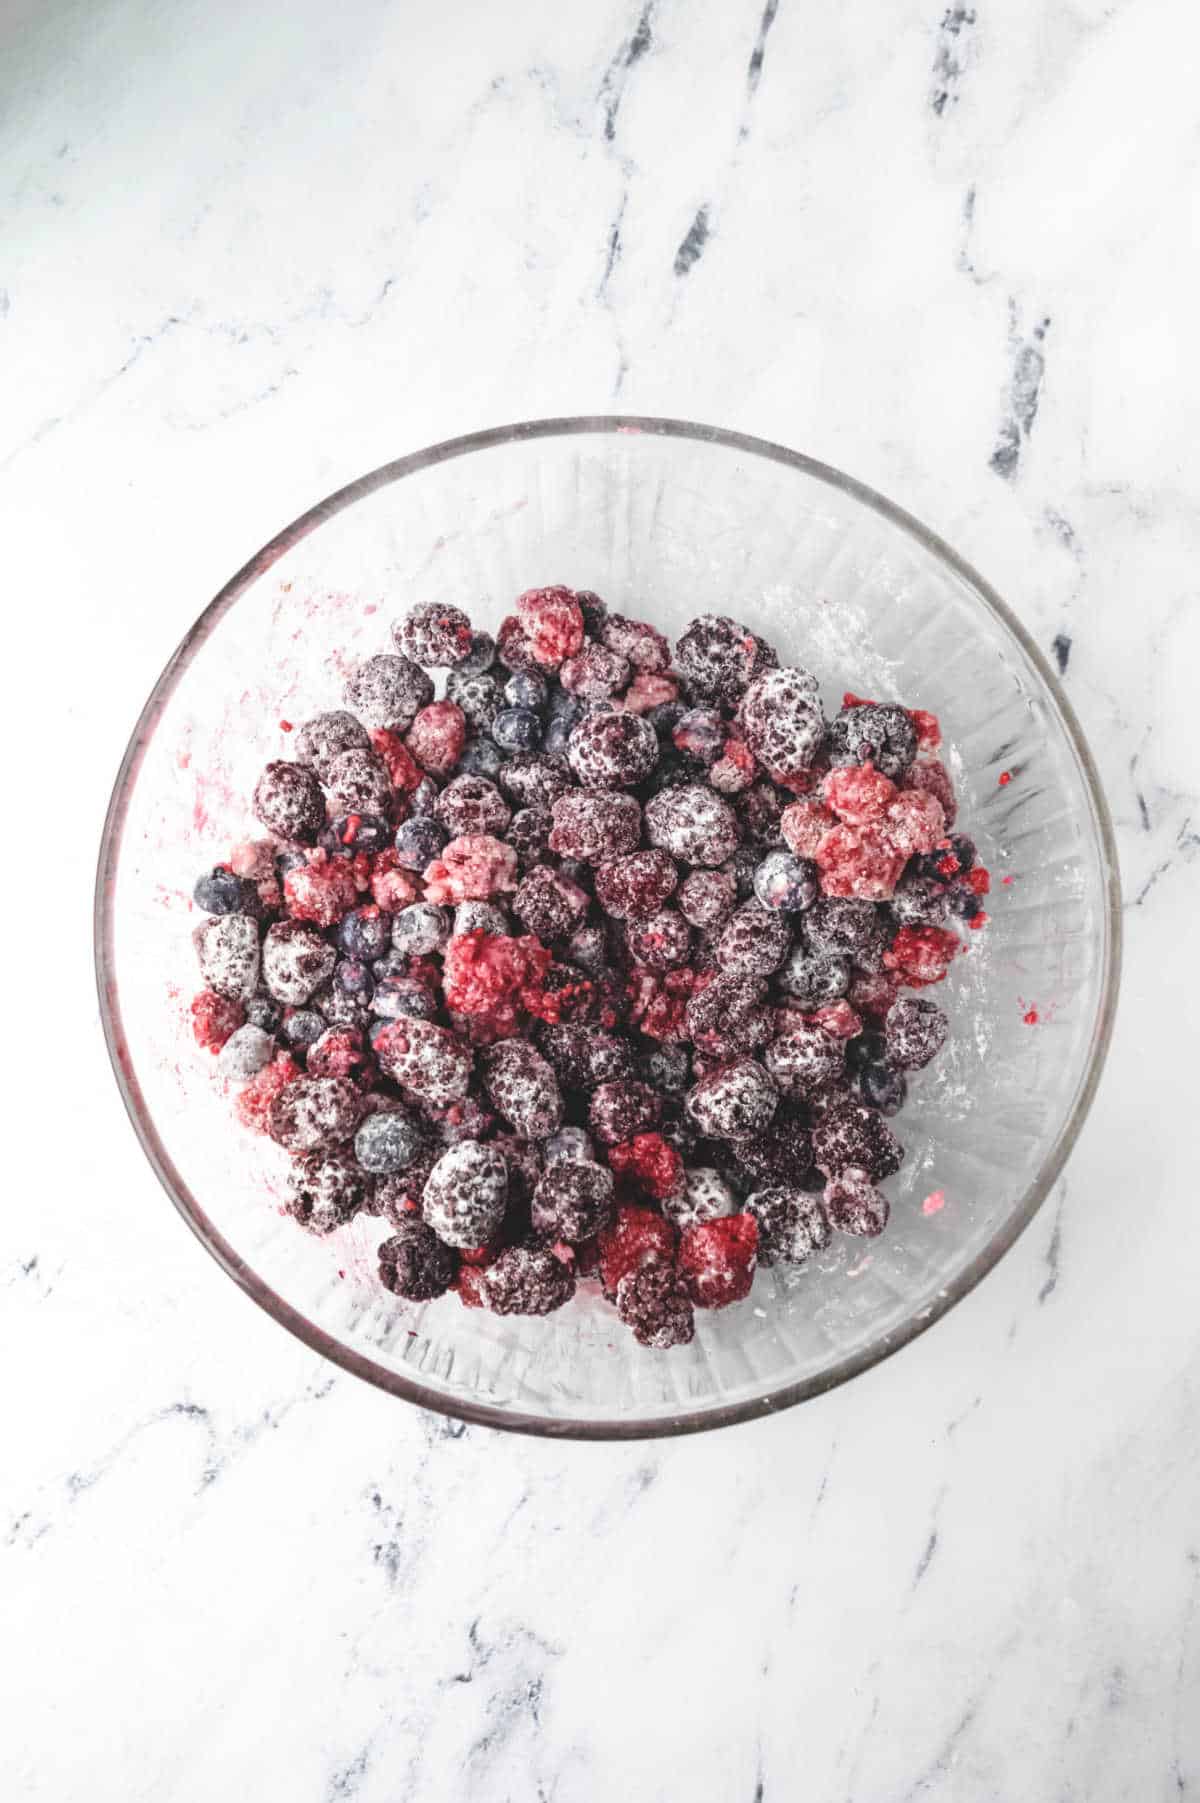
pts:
[858, 793]
[922, 955]
[526, 1282]
[850, 1133]
[465, 1194]
[655, 1305]
[573, 1200]
[548, 904]
[437, 736]
[472, 804]
[692, 824]
[717, 1260]
[635, 1239]
[227, 949]
[932, 776]
[594, 825]
[621, 1108]
[289, 802]
[781, 722]
[326, 1191]
[429, 1062]
[854, 1205]
[433, 634]
[552, 621]
[754, 942]
[719, 658]
[595, 673]
[612, 751]
[792, 1225]
[388, 691]
[804, 1060]
[315, 1114]
[704, 1196]
[323, 738]
[736, 1099]
[707, 898]
[637, 641]
[523, 1088]
[415, 1264]
[471, 869]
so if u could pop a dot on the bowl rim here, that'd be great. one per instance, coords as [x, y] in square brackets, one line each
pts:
[226, 1255]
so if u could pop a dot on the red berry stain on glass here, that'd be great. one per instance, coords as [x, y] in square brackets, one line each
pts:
[1004, 778]
[934, 1203]
[1031, 1017]
[285, 726]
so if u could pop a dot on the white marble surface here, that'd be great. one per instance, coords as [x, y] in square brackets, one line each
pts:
[249, 252]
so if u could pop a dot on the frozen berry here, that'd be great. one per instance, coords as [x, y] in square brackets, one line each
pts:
[572, 1201]
[526, 1282]
[388, 691]
[356, 782]
[315, 1114]
[222, 892]
[215, 1019]
[915, 822]
[595, 673]
[523, 1088]
[434, 634]
[228, 952]
[548, 904]
[700, 734]
[514, 648]
[844, 927]
[693, 824]
[321, 890]
[730, 1015]
[779, 1154]
[415, 1264]
[594, 825]
[388, 1141]
[517, 729]
[419, 929]
[780, 719]
[736, 1099]
[472, 804]
[882, 1087]
[735, 769]
[288, 801]
[786, 883]
[854, 1205]
[803, 825]
[481, 917]
[707, 898]
[348, 834]
[861, 862]
[480, 699]
[568, 1142]
[920, 900]
[642, 644]
[915, 1031]
[814, 978]
[636, 1239]
[527, 689]
[858, 793]
[803, 1061]
[427, 1061]
[419, 840]
[480, 657]
[552, 622]
[612, 751]
[533, 781]
[931, 775]
[635, 885]
[717, 1260]
[649, 1164]
[873, 992]
[245, 1052]
[365, 932]
[654, 1303]
[403, 772]
[582, 1057]
[922, 955]
[325, 737]
[621, 1108]
[472, 868]
[254, 1102]
[437, 736]
[705, 1196]
[754, 941]
[325, 1192]
[529, 834]
[302, 1027]
[850, 1133]
[719, 658]
[791, 1225]
[649, 691]
[662, 942]
[465, 1194]
[879, 734]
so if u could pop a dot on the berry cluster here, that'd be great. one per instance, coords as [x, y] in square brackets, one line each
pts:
[591, 967]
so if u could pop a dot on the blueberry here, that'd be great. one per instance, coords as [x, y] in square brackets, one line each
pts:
[418, 841]
[480, 757]
[786, 883]
[480, 657]
[568, 1142]
[419, 929]
[666, 717]
[863, 1049]
[564, 706]
[882, 1087]
[517, 729]
[365, 933]
[399, 997]
[262, 1011]
[558, 734]
[221, 892]
[353, 978]
[387, 1142]
[666, 1067]
[525, 688]
[302, 1027]
[355, 832]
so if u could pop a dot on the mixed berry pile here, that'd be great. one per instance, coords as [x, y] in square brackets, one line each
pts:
[595, 967]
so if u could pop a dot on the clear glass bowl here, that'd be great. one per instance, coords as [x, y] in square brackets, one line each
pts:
[666, 520]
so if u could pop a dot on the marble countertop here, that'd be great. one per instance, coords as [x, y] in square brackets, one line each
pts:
[250, 252]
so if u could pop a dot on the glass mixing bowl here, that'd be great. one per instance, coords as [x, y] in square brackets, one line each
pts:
[666, 520]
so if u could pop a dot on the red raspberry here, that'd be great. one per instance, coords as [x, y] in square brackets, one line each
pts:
[403, 772]
[649, 689]
[658, 1001]
[484, 971]
[648, 1162]
[915, 821]
[735, 769]
[860, 862]
[636, 1238]
[931, 775]
[922, 955]
[838, 1019]
[803, 825]
[979, 880]
[717, 1260]
[469, 1284]
[322, 890]
[929, 729]
[858, 794]
[471, 869]
[437, 736]
[255, 1100]
[552, 621]
[214, 1018]
[338, 1053]
[391, 887]
[849, 699]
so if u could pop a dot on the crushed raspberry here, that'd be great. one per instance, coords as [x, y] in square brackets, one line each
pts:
[735, 770]
[552, 621]
[838, 1019]
[255, 1100]
[804, 824]
[338, 1053]
[931, 775]
[648, 1162]
[717, 1259]
[915, 821]
[658, 1001]
[922, 955]
[484, 972]
[404, 773]
[978, 880]
[860, 862]
[321, 890]
[636, 1237]
[437, 736]
[392, 887]
[471, 869]
[858, 793]
[649, 689]
[929, 729]
[568, 1001]
[214, 1019]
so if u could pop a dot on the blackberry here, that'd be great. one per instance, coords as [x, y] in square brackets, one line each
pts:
[622, 1108]
[666, 1067]
[228, 952]
[920, 900]
[388, 691]
[804, 1061]
[663, 942]
[221, 892]
[573, 1200]
[707, 898]
[517, 729]
[533, 781]
[915, 1032]
[523, 1088]
[415, 1264]
[472, 804]
[596, 825]
[548, 904]
[582, 1057]
[419, 929]
[791, 1225]
[854, 1205]
[524, 1282]
[865, 1048]
[693, 824]
[529, 835]
[314, 1114]
[637, 641]
[814, 978]
[419, 840]
[612, 751]
[730, 1015]
[877, 733]
[262, 1012]
[737, 1099]
[781, 721]
[654, 1303]
[322, 739]
[754, 942]
[434, 634]
[718, 657]
[289, 803]
[388, 1141]
[465, 1194]
[365, 932]
[427, 1061]
[760, 811]
[357, 783]
[325, 1192]
[851, 1134]
[634, 886]
[595, 672]
[780, 1154]
[841, 927]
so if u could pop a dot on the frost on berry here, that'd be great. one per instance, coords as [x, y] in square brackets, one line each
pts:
[805, 1060]
[736, 1099]
[792, 1225]
[854, 1205]
[780, 718]
[717, 1260]
[594, 825]
[572, 1201]
[692, 824]
[552, 621]
[612, 751]
[522, 1087]
[428, 1062]
[465, 1194]
[922, 955]
[471, 869]
[437, 736]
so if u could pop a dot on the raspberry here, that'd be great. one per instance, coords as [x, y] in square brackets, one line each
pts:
[693, 824]
[621, 1108]
[523, 1282]
[717, 1260]
[718, 657]
[612, 751]
[649, 691]
[320, 891]
[425, 1060]
[228, 953]
[881, 734]
[803, 825]
[736, 1099]
[655, 1305]
[705, 1196]
[433, 634]
[650, 1164]
[915, 1031]
[873, 992]
[735, 769]
[659, 1001]
[339, 1052]
[215, 1018]
[804, 1060]
[754, 942]
[572, 1201]
[922, 955]
[849, 1133]
[596, 825]
[465, 1194]
[663, 942]
[484, 971]
[854, 1205]
[791, 1225]
[915, 821]
[927, 728]
[780, 718]
[859, 861]
[931, 775]
[595, 673]
[403, 771]
[469, 1284]
[730, 1015]
[636, 640]
[523, 1088]
[326, 1192]
[415, 1264]
[838, 1019]
[388, 692]
[472, 804]
[314, 1114]
[707, 898]
[255, 1100]
[437, 736]
[471, 869]
[858, 794]
[552, 622]
[636, 1239]
[513, 646]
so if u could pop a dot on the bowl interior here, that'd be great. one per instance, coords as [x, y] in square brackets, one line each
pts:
[666, 522]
